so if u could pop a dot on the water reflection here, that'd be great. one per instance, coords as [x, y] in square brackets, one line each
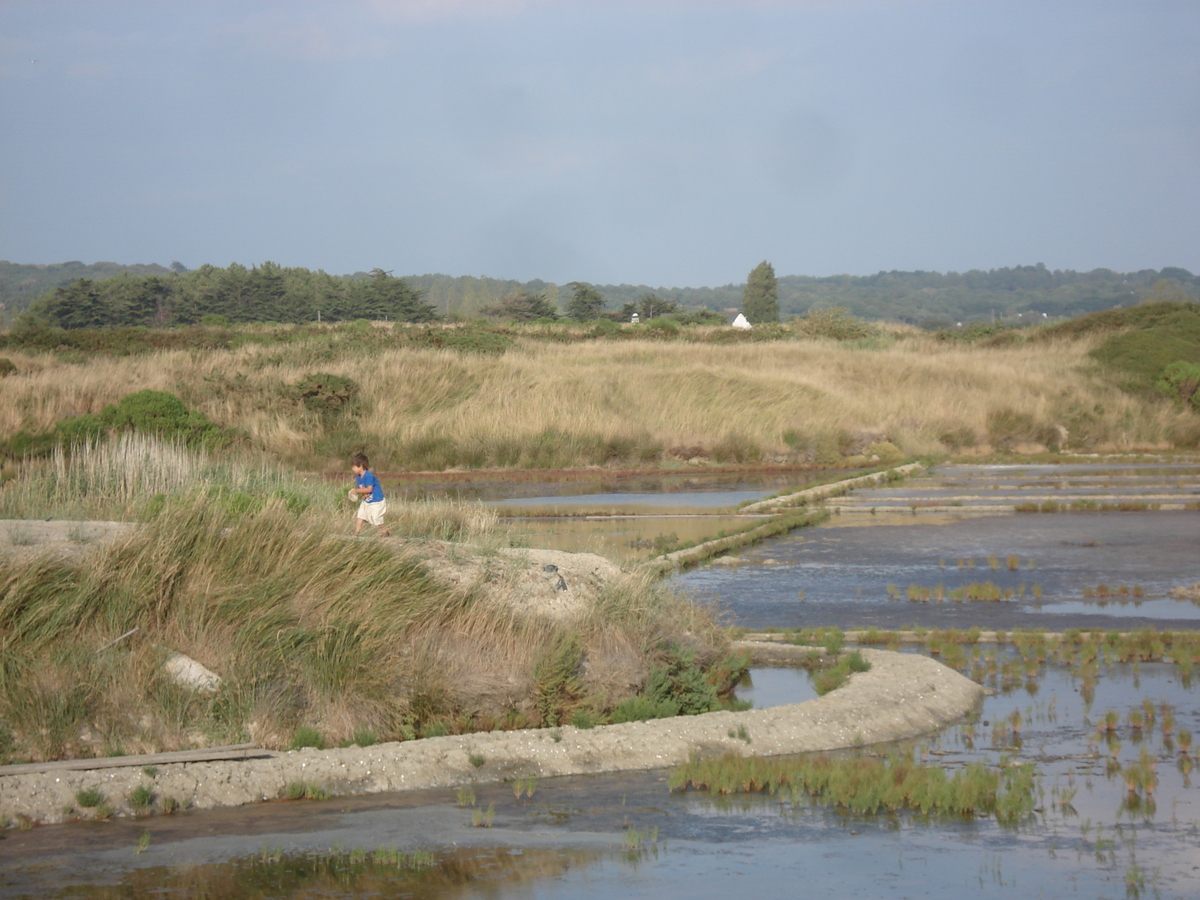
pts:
[355, 873]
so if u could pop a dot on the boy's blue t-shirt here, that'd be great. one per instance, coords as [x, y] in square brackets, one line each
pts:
[368, 479]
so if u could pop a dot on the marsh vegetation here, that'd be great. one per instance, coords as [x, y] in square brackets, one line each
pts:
[430, 397]
[317, 639]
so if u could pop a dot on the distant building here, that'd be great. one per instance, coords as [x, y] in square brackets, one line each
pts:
[741, 322]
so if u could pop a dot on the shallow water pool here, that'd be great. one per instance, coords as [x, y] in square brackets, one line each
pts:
[1049, 565]
[617, 836]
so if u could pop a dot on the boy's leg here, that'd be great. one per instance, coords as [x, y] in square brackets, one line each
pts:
[383, 529]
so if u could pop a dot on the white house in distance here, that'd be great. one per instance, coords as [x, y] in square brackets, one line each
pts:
[741, 322]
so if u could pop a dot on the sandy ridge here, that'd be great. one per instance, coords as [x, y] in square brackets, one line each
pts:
[902, 696]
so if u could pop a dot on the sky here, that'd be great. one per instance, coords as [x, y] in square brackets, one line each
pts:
[659, 142]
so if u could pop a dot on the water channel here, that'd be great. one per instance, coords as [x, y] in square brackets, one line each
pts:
[628, 835]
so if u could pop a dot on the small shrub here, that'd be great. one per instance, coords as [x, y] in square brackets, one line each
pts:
[826, 680]
[1180, 380]
[476, 759]
[857, 663]
[957, 438]
[660, 327]
[436, 728]
[89, 798]
[834, 323]
[214, 320]
[7, 366]
[481, 819]
[833, 640]
[307, 736]
[324, 393]
[305, 790]
[584, 718]
[555, 674]
[605, 328]
[642, 708]
[141, 797]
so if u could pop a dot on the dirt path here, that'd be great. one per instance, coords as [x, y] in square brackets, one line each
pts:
[902, 696]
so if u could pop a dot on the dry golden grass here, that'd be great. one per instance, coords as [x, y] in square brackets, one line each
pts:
[780, 398]
[305, 628]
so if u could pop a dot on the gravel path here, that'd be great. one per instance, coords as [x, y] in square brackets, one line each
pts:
[902, 696]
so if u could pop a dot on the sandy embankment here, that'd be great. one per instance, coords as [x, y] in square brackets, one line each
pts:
[902, 696]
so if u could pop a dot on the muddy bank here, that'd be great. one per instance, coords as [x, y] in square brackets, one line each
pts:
[902, 696]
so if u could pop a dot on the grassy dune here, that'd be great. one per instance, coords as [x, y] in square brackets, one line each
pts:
[316, 637]
[559, 398]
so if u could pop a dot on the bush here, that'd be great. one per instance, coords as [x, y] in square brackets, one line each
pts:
[324, 393]
[660, 327]
[307, 736]
[1181, 380]
[699, 317]
[833, 323]
[605, 328]
[833, 640]
[885, 450]
[7, 366]
[160, 413]
[957, 438]
[89, 798]
[680, 681]
[461, 340]
[214, 320]
[642, 708]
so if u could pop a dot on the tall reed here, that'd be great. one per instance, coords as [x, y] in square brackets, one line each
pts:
[303, 626]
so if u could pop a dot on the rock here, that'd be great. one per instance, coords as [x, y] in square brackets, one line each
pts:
[186, 671]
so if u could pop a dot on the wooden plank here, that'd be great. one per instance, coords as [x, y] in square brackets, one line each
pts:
[206, 754]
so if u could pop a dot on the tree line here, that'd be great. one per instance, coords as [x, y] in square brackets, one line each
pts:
[74, 295]
[263, 293]
[931, 299]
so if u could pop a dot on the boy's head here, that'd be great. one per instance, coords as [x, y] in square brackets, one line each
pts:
[360, 461]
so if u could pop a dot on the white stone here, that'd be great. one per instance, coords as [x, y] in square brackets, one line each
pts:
[186, 671]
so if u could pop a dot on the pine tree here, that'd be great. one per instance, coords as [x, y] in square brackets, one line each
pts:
[586, 304]
[760, 301]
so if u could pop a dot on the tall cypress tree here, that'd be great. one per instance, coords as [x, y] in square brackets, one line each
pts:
[760, 300]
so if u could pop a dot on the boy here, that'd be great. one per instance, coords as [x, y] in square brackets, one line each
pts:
[367, 486]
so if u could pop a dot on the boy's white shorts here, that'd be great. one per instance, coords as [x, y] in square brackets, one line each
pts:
[372, 513]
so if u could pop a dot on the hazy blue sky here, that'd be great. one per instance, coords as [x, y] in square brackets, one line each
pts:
[666, 142]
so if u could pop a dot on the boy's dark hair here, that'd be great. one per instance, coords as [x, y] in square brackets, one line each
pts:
[360, 459]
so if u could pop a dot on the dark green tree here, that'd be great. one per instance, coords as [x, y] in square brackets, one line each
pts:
[760, 299]
[383, 296]
[651, 306]
[586, 304]
[523, 307]
[263, 300]
[76, 305]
